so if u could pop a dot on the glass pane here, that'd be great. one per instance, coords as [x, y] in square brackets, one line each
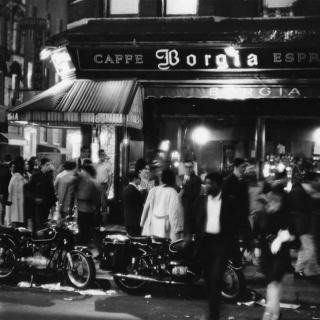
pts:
[124, 7]
[182, 7]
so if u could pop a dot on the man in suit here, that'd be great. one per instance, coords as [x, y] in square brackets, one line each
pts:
[237, 189]
[190, 185]
[214, 223]
[132, 205]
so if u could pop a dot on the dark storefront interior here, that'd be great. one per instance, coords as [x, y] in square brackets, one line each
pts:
[289, 129]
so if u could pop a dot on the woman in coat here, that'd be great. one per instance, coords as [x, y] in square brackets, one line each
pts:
[15, 203]
[162, 214]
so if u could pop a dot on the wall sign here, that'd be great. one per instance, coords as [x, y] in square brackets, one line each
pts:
[197, 59]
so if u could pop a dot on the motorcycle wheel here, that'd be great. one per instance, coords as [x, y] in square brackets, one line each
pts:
[83, 273]
[132, 286]
[234, 284]
[7, 262]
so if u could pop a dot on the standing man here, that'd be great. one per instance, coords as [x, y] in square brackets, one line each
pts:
[64, 185]
[236, 188]
[190, 190]
[105, 180]
[84, 154]
[214, 222]
[42, 192]
[132, 205]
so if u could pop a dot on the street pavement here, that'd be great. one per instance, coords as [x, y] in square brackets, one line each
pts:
[301, 300]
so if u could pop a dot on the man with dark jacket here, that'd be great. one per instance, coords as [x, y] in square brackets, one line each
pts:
[42, 192]
[214, 222]
[190, 189]
[237, 189]
[132, 205]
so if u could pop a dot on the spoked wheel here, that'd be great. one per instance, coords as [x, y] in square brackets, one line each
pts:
[234, 285]
[130, 285]
[82, 272]
[7, 262]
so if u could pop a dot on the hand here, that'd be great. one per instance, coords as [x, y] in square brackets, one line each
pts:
[276, 245]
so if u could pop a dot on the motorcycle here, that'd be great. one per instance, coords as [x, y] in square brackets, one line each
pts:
[50, 249]
[137, 261]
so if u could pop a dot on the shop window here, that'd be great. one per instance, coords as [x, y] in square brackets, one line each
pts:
[181, 7]
[43, 135]
[124, 7]
[56, 137]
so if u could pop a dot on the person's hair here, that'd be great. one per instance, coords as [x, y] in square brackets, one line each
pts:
[89, 168]
[215, 176]
[187, 161]
[43, 161]
[168, 177]
[19, 164]
[101, 151]
[83, 148]
[140, 164]
[69, 165]
[133, 175]
[238, 162]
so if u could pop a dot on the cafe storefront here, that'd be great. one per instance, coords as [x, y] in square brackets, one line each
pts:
[201, 91]
[212, 103]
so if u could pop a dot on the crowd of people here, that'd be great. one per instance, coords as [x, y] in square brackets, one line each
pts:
[216, 211]
[32, 193]
[220, 210]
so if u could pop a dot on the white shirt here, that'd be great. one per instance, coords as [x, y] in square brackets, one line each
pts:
[104, 171]
[213, 214]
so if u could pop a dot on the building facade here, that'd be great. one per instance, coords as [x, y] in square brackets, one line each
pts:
[201, 79]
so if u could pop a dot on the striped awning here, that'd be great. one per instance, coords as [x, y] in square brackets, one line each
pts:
[82, 101]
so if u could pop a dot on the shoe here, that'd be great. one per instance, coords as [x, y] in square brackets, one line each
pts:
[299, 275]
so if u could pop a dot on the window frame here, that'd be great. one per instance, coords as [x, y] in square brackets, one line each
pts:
[118, 15]
[165, 5]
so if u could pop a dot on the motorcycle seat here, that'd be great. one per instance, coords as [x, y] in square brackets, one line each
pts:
[159, 240]
[142, 239]
[24, 232]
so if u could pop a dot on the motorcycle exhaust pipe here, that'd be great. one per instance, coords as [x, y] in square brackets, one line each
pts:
[144, 278]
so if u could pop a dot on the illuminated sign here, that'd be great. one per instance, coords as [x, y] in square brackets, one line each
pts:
[196, 59]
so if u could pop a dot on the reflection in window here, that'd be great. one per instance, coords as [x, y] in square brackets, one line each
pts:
[124, 7]
[175, 7]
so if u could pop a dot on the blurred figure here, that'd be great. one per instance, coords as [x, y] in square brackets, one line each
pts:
[42, 192]
[104, 176]
[5, 177]
[272, 230]
[88, 197]
[162, 213]
[64, 186]
[300, 209]
[15, 202]
[132, 205]
[312, 187]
